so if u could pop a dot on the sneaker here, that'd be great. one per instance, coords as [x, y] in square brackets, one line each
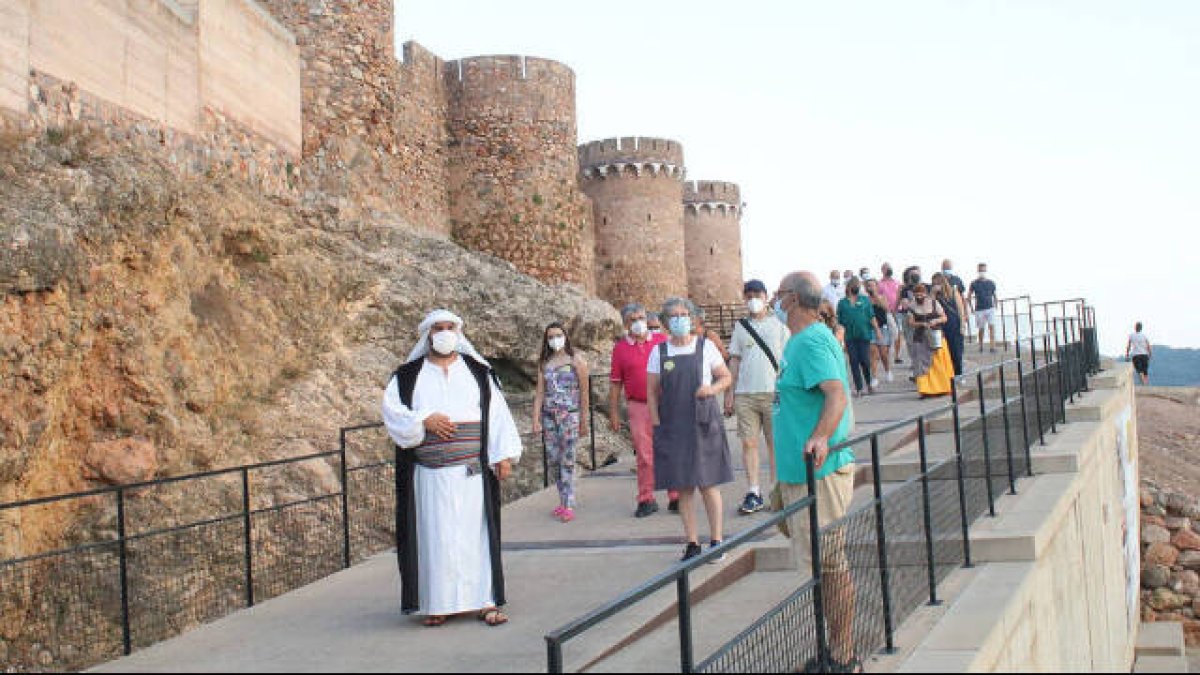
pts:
[672, 506]
[874, 382]
[693, 549]
[567, 515]
[888, 376]
[854, 665]
[751, 504]
[610, 460]
[646, 509]
[720, 558]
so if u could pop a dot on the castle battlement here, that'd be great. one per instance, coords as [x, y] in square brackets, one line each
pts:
[632, 155]
[713, 197]
[503, 68]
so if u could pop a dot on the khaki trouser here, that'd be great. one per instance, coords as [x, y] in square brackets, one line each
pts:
[834, 494]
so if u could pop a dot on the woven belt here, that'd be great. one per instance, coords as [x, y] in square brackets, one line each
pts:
[460, 450]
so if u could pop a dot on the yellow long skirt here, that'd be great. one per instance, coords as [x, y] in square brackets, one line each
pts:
[936, 382]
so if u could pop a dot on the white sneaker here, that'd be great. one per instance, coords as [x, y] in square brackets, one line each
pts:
[874, 382]
[888, 376]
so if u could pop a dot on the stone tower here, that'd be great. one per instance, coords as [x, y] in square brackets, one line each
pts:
[636, 187]
[513, 170]
[712, 215]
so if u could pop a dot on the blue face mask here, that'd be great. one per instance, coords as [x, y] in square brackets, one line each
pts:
[680, 325]
[779, 313]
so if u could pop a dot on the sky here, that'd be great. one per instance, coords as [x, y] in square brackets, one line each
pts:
[1057, 140]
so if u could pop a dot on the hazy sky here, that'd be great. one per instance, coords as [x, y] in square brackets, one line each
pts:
[1057, 140]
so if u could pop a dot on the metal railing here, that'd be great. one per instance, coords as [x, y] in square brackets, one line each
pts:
[890, 554]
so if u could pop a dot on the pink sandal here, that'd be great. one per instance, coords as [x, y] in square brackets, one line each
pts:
[558, 511]
[567, 515]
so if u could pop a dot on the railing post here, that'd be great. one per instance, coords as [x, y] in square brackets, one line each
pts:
[928, 515]
[686, 659]
[1008, 448]
[814, 542]
[1037, 392]
[1050, 393]
[345, 500]
[554, 657]
[592, 419]
[248, 541]
[1003, 325]
[962, 483]
[987, 446]
[881, 539]
[1026, 442]
[123, 562]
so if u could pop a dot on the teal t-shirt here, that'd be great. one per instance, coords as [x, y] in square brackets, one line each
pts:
[855, 316]
[812, 356]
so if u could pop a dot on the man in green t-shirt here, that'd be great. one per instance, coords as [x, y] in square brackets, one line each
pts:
[812, 414]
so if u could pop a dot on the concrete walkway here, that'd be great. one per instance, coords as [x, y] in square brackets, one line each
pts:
[555, 572]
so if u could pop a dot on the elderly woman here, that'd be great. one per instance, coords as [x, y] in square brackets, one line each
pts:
[687, 377]
[932, 367]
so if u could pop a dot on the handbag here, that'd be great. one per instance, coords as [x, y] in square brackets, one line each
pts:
[935, 339]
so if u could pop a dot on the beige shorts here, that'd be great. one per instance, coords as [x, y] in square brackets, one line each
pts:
[754, 415]
[834, 494]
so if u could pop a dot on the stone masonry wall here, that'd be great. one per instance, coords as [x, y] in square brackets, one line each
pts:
[1171, 560]
[513, 170]
[637, 193]
[712, 225]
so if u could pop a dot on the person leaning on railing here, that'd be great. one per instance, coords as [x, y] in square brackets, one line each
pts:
[812, 414]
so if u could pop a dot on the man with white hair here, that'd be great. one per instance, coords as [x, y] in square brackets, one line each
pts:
[456, 440]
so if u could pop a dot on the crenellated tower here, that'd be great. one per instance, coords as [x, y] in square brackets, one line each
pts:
[712, 221]
[512, 167]
[636, 187]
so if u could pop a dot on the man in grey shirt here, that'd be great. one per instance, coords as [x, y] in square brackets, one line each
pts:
[755, 351]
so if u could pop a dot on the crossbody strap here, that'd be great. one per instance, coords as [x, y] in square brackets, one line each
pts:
[761, 343]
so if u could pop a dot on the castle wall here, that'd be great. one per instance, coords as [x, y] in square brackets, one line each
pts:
[372, 126]
[14, 54]
[250, 70]
[712, 224]
[513, 170]
[140, 55]
[637, 192]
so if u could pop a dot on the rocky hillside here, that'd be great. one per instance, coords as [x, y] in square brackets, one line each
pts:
[155, 326]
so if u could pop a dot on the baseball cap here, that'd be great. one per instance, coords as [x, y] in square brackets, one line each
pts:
[754, 286]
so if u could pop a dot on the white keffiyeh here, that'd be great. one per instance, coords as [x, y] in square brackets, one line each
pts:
[421, 349]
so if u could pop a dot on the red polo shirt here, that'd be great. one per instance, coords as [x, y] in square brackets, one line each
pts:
[629, 359]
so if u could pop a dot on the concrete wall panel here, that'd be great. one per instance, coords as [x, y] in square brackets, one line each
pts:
[14, 54]
[250, 70]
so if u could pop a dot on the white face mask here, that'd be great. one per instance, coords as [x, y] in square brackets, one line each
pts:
[983, 275]
[835, 282]
[444, 342]
[557, 343]
[639, 328]
[756, 305]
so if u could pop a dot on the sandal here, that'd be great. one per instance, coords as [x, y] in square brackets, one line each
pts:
[493, 617]
[566, 515]
[435, 621]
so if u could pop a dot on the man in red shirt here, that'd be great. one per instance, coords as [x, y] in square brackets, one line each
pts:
[629, 358]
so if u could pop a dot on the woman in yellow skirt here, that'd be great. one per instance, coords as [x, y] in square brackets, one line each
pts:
[933, 368]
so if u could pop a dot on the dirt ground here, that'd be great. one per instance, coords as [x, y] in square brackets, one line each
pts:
[1169, 438]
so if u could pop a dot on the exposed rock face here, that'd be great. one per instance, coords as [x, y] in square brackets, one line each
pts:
[217, 325]
[1170, 560]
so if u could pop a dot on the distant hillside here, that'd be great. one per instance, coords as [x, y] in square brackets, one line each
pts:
[1172, 367]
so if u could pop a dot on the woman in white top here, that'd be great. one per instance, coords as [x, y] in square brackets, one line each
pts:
[1138, 347]
[685, 378]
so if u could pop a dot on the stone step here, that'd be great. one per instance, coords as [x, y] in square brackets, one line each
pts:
[1160, 639]
[1161, 664]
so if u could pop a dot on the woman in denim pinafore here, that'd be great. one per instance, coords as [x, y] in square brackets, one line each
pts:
[691, 451]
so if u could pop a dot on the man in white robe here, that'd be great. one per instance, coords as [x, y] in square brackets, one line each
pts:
[456, 440]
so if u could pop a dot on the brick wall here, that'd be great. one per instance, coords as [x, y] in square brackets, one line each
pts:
[713, 232]
[513, 170]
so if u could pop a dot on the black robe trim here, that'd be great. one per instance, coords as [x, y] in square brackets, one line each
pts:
[406, 508]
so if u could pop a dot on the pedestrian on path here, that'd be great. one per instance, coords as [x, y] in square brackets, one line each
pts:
[955, 308]
[687, 377]
[1140, 350]
[457, 442]
[754, 353]
[932, 368]
[628, 376]
[560, 397]
[813, 414]
[881, 346]
[890, 289]
[857, 316]
[833, 292]
[982, 299]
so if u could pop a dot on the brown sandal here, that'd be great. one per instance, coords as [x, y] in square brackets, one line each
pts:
[493, 617]
[435, 621]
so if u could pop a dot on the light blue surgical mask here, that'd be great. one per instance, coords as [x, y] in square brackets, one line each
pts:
[680, 326]
[779, 313]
